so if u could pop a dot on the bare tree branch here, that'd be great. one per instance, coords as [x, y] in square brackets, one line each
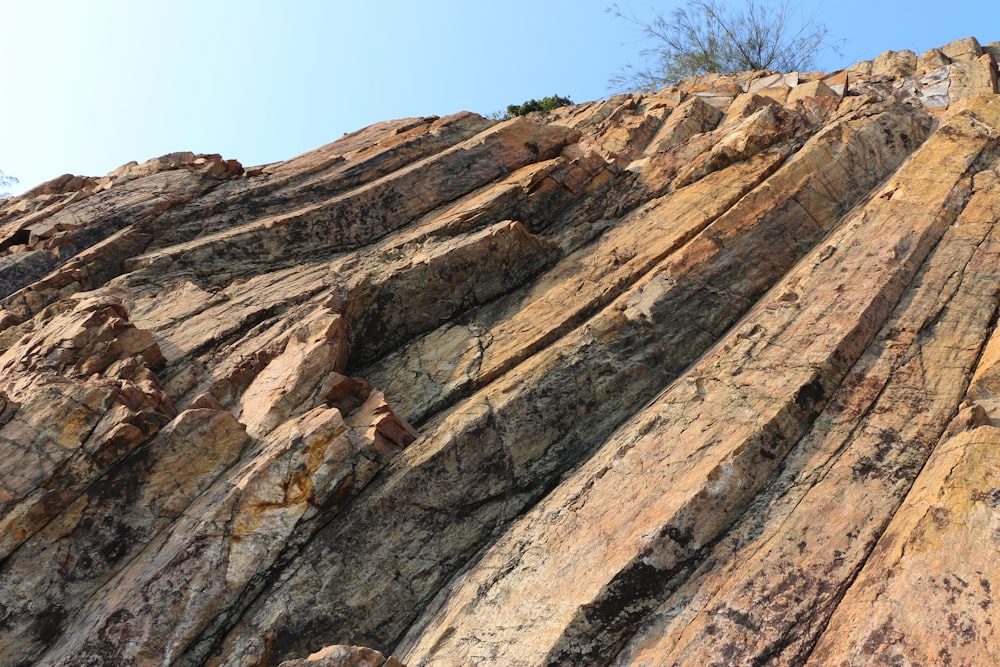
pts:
[710, 36]
[5, 182]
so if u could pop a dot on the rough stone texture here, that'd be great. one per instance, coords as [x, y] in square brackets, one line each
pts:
[702, 377]
[344, 656]
[962, 49]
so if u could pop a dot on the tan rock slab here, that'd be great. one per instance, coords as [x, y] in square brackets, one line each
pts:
[973, 78]
[777, 93]
[343, 656]
[932, 59]
[693, 116]
[838, 82]
[926, 593]
[894, 63]
[967, 49]
[82, 547]
[767, 590]
[810, 89]
[609, 554]
[538, 393]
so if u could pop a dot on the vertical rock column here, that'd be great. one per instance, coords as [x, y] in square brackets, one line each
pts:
[491, 457]
[928, 592]
[766, 591]
[570, 581]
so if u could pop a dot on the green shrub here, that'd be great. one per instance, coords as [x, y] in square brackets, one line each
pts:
[544, 104]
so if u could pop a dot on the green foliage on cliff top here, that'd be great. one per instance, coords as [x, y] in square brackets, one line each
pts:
[545, 104]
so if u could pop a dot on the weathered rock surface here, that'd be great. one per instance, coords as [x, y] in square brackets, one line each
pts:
[702, 377]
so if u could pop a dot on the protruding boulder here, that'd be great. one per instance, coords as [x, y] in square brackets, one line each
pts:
[967, 49]
[973, 78]
[932, 59]
[810, 89]
[894, 63]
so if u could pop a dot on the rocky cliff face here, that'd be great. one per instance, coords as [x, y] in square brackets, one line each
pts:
[704, 377]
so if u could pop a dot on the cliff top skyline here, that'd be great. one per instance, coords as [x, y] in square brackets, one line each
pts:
[91, 87]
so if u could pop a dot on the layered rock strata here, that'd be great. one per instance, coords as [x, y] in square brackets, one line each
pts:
[700, 377]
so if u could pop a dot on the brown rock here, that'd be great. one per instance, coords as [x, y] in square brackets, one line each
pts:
[810, 89]
[894, 63]
[693, 116]
[863, 68]
[967, 49]
[744, 105]
[86, 394]
[838, 82]
[344, 656]
[498, 426]
[924, 590]
[788, 572]
[567, 590]
[777, 93]
[83, 546]
[707, 376]
[237, 528]
[932, 59]
[973, 78]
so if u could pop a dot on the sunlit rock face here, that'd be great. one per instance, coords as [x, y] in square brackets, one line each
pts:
[702, 377]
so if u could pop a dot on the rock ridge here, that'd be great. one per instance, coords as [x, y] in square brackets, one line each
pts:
[697, 377]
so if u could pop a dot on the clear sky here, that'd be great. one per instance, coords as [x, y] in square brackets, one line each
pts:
[86, 86]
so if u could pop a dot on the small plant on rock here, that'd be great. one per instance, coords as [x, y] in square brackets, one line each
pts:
[545, 104]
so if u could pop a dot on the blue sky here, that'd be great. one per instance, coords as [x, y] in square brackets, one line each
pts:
[88, 86]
